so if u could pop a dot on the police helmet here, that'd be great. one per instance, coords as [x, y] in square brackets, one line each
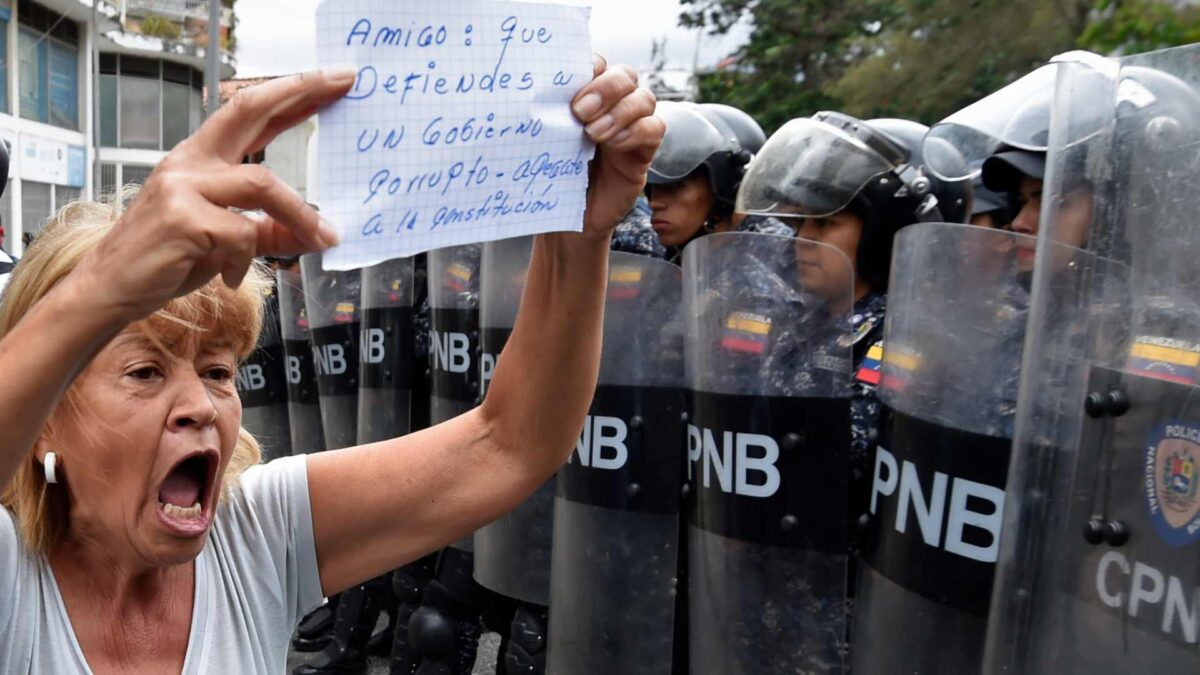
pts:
[3, 166]
[817, 166]
[699, 138]
[749, 134]
[953, 196]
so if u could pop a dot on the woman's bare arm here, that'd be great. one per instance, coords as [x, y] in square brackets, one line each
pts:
[376, 507]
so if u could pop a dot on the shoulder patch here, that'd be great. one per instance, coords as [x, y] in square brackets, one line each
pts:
[869, 371]
[861, 332]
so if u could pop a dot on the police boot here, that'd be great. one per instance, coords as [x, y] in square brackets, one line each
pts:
[444, 631]
[347, 652]
[316, 627]
[408, 583]
[526, 653]
[380, 643]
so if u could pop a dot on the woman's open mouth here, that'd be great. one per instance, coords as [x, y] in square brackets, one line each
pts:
[185, 496]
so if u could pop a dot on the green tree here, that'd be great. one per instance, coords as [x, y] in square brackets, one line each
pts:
[919, 59]
[797, 47]
[936, 56]
[1135, 26]
[159, 26]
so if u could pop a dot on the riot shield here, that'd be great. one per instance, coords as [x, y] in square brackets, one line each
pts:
[386, 351]
[331, 299]
[768, 366]
[512, 554]
[262, 384]
[1099, 568]
[454, 337]
[304, 409]
[616, 512]
[948, 374]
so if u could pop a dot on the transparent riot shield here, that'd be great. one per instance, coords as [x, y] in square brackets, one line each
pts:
[1099, 568]
[454, 337]
[950, 366]
[304, 408]
[263, 386]
[386, 351]
[512, 554]
[332, 300]
[616, 513]
[768, 366]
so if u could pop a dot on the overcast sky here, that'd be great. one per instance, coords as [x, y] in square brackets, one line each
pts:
[276, 37]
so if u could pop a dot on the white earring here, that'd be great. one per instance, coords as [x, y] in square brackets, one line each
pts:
[49, 465]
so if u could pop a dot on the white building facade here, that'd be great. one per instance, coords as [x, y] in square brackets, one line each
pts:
[85, 105]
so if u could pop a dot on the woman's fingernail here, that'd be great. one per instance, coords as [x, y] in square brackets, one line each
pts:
[340, 73]
[596, 129]
[621, 137]
[328, 234]
[587, 106]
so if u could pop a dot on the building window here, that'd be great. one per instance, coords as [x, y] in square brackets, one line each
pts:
[131, 174]
[107, 180]
[140, 109]
[147, 104]
[36, 204]
[64, 195]
[5, 17]
[48, 58]
[114, 176]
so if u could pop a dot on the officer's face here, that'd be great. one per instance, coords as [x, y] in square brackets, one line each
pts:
[987, 220]
[148, 425]
[822, 270]
[1028, 221]
[1074, 218]
[680, 209]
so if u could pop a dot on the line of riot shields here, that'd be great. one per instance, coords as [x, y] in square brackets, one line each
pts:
[1031, 498]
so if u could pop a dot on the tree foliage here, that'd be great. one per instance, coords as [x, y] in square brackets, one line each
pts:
[919, 59]
[797, 48]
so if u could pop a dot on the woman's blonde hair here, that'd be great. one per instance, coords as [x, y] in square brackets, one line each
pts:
[234, 315]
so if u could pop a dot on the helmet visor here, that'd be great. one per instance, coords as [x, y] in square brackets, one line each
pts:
[1017, 116]
[809, 169]
[690, 139]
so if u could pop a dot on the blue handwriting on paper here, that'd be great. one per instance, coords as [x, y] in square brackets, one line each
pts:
[457, 117]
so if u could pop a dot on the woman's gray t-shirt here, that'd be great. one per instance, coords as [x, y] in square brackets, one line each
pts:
[255, 579]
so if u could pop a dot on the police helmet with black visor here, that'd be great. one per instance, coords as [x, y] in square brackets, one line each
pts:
[832, 162]
[693, 181]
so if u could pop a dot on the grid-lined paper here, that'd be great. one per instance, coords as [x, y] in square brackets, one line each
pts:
[459, 127]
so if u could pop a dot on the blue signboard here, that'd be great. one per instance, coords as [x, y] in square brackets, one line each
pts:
[76, 165]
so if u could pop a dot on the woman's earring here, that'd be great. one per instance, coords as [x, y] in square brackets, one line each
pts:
[49, 464]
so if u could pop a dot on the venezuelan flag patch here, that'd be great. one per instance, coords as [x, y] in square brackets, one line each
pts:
[869, 371]
[458, 277]
[1165, 359]
[746, 332]
[624, 282]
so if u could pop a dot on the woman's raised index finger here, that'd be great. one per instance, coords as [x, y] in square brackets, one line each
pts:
[239, 126]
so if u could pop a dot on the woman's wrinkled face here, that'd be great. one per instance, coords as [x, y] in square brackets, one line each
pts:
[822, 270]
[680, 209]
[145, 452]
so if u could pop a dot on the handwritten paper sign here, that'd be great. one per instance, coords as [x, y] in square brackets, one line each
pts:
[459, 127]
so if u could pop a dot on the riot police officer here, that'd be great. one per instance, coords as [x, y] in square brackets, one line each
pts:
[787, 324]
[7, 262]
[262, 381]
[1099, 559]
[989, 209]
[694, 179]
